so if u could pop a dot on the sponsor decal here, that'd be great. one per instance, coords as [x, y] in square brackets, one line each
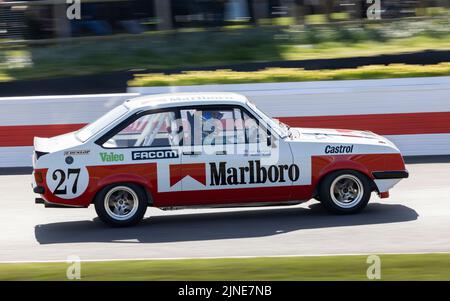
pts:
[77, 152]
[154, 154]
[195, 170]
[339, 149]
[253, 173]
[69, 160]
[221, 174]
[67, 183]
[112, 157]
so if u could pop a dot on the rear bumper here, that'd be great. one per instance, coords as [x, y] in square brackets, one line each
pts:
[42, 201]
[394, 174]
[39, 190]
[46, 204]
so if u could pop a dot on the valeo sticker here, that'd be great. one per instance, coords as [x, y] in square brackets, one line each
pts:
[112, 157]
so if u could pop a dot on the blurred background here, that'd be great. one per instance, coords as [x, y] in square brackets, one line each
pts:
[38, 41]
[41, 19]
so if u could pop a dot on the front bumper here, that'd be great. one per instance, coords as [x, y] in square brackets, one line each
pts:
[393, 174]
[385, 180]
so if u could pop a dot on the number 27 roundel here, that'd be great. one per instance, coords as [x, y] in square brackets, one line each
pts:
[67, 183]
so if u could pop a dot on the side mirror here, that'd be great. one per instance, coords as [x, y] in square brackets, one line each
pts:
[269, 138]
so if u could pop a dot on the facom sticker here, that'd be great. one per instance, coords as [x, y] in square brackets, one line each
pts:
[154, 154]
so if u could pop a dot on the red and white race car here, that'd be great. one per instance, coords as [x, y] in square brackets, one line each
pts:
[208, 149]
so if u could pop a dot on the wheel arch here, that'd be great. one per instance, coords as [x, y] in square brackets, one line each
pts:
[328, 171]
[128, 179]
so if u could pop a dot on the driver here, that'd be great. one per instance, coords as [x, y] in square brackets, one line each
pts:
[209, 119]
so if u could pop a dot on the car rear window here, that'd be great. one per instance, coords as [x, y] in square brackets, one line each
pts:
[93, 128]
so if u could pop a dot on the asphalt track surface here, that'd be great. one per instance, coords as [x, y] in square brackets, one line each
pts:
[415, 219]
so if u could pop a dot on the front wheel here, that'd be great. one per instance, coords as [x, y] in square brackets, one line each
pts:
[345, 191]
[121, 205]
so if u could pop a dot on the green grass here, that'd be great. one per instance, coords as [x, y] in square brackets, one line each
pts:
[393, 267]
[273, 75]
[232, 44]
[322, 19]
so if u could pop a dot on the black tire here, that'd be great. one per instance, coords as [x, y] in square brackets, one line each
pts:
[333, 203]
[131, 191]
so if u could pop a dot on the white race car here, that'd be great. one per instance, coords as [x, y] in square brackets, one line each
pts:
[208, 150]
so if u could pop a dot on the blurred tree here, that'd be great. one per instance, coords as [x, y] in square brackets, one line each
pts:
[163, 11]
[356, 9]
[328, 6]
[260, 10]
[421, 7]
[60, 22]
[295, 10]
[299, 11]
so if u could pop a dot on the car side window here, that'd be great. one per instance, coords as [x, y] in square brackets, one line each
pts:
[150, 130]
[219, 126]
[255, 131]
[211, 126]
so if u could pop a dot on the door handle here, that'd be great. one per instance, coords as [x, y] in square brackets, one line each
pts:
[259, 154]
[221, 152]
[192, 153]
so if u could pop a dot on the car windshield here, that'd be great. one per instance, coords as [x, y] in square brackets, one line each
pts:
[281, 128]
[93, 128]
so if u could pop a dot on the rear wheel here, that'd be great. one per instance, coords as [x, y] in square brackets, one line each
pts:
[345, 191]
[121, 204]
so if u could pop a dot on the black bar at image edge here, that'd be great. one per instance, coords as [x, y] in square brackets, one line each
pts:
[224, 290]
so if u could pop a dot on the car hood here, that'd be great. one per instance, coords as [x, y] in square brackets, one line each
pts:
[338, 136]
[57, 143]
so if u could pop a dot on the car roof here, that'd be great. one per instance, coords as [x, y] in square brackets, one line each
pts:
[184, 99]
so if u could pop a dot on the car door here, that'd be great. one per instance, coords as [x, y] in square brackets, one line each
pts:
[229, 156]
[147, 145]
